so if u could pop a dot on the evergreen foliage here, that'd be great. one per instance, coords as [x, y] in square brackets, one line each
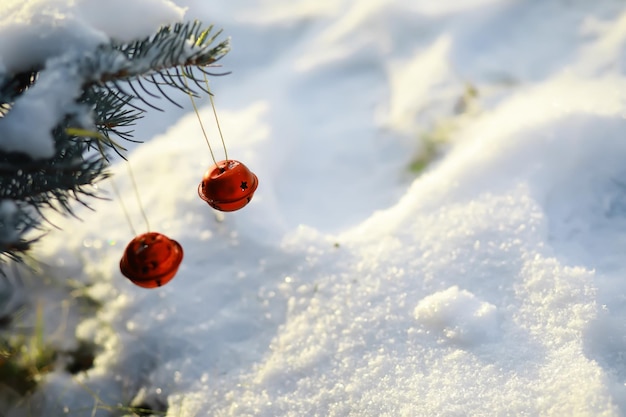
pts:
[116, 83]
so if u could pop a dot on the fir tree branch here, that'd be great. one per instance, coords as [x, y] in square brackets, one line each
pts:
[13, 86]
[182, 45]
[119, 81]
[118, 92]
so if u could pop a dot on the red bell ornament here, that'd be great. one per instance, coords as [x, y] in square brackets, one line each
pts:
[228, 185]
[151, 260]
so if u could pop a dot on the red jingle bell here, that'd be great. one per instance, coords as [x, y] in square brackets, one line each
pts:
[228, 185]
[151, 260]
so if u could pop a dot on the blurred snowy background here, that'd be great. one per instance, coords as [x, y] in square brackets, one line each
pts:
[439, 229]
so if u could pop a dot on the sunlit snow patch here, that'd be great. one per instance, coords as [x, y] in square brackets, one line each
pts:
[458, 316]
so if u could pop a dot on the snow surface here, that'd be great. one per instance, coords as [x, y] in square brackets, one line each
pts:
[492, 284]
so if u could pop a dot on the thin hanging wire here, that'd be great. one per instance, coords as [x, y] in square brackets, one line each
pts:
[137, 197]
[195, 109]
[119, 199]
[206, 80]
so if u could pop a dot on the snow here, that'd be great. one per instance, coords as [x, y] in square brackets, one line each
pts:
[458, 315]
[59, 33]
[490, 284]
[57, 88]
[33, 30]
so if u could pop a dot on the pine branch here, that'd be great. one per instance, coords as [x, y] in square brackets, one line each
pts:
[162, 56]
[124, 87]
[117, 83]
[13, 86]
[173, 46]
[15, 221]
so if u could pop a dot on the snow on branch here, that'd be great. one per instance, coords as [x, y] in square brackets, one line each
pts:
[64, 79]
[27, 126]
[54, 113]
[166, 59]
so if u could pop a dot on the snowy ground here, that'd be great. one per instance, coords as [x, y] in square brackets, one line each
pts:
[492, 284]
